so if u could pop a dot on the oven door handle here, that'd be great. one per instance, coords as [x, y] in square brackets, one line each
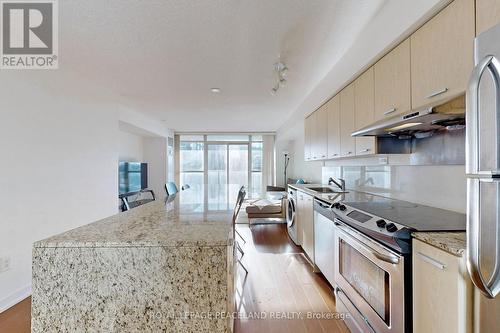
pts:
[340, 291]
[391, 259]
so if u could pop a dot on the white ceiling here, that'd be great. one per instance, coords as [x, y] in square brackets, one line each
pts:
[161, 57]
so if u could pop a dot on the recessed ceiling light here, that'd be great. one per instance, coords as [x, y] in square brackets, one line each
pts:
[215, 90]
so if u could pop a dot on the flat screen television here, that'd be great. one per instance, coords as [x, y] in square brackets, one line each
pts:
[133, 177]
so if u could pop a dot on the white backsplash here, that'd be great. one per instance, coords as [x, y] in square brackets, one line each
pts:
[437, 186]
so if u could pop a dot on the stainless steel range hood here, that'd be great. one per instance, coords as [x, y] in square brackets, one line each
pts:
[450, 115]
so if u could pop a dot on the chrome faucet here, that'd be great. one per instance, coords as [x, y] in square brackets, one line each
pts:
[340, 183]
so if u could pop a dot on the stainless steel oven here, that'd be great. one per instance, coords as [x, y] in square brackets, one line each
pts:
[370, 283]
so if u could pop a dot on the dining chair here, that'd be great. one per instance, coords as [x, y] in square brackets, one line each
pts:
[171, 188]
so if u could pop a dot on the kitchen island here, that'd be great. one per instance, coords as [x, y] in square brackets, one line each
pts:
[165, 266]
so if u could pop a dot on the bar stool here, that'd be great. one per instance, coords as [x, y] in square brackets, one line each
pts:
[239, 201]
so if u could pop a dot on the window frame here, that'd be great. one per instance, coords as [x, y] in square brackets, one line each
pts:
[249, 142]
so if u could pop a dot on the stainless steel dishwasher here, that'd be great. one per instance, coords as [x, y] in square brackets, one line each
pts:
[324, 239]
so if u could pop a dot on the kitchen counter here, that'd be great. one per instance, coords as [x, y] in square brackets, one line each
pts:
[164, 266]
[328, 197]
[451, 242]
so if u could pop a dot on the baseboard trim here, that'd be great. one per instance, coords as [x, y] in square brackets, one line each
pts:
[15, 298]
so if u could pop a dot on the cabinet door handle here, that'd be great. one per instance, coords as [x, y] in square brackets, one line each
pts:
[436, 93]
[389, 111]
[365, 150]
[431, 261]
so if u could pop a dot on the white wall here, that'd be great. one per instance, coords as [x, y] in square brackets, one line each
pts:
[58, 171]
[146, 144]
[131, 147]
[59, 144]
[292, 141]
[155, 154]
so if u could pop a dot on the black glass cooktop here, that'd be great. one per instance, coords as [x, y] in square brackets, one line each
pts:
[415, 216]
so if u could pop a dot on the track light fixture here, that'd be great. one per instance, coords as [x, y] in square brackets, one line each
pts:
[281, 71]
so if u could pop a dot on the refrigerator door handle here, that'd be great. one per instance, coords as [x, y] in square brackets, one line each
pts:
[472, 115]
[491, 288]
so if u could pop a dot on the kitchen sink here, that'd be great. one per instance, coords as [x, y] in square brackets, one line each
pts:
[326, 190]
[322, 189]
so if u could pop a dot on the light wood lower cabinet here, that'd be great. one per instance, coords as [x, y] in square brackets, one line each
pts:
[487, 14]
[364, 102]
[442, 54]
[347, 124]
[442, 291]
[305, 209]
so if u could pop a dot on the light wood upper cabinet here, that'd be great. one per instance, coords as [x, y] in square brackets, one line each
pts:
[364, 102]
[442, 291]
[333, 107]
[442, 54]
[312, 136]
[392, 82]
[487, 14]
[347, 125]
[321, 132]
[316, 135]
[307, 138]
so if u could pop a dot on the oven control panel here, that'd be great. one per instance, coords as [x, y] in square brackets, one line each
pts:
[365, 220]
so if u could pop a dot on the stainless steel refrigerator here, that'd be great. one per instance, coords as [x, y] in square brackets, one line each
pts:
[483, 180]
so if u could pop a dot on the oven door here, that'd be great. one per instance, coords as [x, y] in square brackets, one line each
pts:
[369, 281]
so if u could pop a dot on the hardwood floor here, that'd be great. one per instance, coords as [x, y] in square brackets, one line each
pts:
[280, 283]
[17, 319]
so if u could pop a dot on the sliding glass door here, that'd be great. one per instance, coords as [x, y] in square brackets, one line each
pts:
[217, 175]
[224, 163]
[192, 170]
[238, 169]
[227, 172]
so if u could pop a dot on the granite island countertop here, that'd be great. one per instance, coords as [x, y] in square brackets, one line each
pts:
[178, 222]
[139, 271]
